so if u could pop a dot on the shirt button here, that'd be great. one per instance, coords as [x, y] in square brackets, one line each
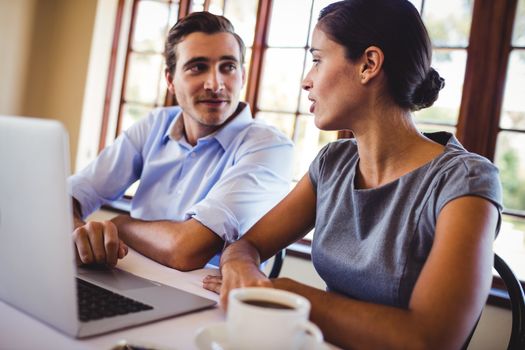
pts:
[193, 154]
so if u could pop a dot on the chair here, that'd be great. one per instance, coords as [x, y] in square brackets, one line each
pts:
[277, 264]
[517, 303]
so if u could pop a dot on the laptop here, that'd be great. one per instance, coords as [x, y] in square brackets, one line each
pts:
[38, 273]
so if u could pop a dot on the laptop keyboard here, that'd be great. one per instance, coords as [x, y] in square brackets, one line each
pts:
[95, 303]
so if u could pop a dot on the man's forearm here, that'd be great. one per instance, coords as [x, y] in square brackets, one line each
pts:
[184, 245]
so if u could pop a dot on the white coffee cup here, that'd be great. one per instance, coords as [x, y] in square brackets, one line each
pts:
[266, 318]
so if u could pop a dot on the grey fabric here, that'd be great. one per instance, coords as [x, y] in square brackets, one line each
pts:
[371, 244]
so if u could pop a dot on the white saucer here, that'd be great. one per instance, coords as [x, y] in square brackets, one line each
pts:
[215, 337]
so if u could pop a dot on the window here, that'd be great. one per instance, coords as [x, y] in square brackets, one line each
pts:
[510, 155]
[479, 48]
[448, 24]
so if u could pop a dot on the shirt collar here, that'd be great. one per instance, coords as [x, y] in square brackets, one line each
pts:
[224, 135]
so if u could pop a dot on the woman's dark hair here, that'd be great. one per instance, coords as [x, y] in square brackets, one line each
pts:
[396, 28]
[203, 22]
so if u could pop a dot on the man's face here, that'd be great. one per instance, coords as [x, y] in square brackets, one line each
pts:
[207, 81]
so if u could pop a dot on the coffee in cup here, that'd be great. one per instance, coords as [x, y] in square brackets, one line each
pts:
[267, 318]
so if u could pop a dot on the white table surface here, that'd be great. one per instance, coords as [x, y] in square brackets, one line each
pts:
[20, 331]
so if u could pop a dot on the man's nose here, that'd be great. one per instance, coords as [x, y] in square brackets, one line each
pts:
[214, 81]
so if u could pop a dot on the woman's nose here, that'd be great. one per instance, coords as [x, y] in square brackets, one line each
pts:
[306, 84]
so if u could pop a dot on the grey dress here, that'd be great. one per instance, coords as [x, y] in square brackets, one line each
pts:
[371, 244]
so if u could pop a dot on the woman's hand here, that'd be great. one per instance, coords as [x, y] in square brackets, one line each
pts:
[235, 274]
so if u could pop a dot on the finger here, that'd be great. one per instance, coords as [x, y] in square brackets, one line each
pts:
[84, 253]
[111, 243]
[223, 297]
[95, 232]
[212, 283]
[122, 249]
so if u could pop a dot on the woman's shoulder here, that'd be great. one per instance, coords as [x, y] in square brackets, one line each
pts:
[456, 157]
[340, 147]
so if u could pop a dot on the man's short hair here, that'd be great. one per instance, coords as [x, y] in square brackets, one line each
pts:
[204, 22]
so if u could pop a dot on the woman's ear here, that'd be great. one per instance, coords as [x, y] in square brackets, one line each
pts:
[373, 59]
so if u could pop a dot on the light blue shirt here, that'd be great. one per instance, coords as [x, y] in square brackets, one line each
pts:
[227, 181]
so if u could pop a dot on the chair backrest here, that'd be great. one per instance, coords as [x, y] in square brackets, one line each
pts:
[517, 303]
[277, 264]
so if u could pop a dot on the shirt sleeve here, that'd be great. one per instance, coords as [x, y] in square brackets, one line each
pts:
[258, 180]
[117, 167]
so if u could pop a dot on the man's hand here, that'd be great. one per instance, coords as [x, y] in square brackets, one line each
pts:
[99, 243]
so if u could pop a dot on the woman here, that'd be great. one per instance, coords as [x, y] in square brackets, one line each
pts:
[404, 221]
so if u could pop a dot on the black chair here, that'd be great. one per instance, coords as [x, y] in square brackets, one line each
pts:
[517, 303]
[277, 264]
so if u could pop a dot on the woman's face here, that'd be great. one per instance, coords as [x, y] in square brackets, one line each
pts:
[333, 84]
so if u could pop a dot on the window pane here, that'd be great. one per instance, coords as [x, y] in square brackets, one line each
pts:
[131, 113]
[417, 4]
[144, 72]
[282, 121]
[174, 16]
[518, 34]
[243, 15]
[197, 5]
[450, 64]
[513, 111]
[281, 79]
[318, 6]
[510, 160]
[289, 24]
[448, 21]
[308, 142]
[510, 244]
[216, 7]
[150, 26]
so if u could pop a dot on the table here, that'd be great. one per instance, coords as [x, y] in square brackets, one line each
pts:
[20, 331]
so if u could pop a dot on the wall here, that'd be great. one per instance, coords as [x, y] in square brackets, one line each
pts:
[16, 25]
[45, 47]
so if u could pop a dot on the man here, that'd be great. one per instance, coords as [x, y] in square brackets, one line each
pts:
[207, 170]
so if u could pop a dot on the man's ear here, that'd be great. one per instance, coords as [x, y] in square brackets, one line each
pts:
[372, 62]
[169, 81]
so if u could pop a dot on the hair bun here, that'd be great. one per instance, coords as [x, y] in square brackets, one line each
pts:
[428, 91]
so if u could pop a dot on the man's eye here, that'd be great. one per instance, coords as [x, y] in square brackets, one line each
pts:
[197, 68]
[229, 67]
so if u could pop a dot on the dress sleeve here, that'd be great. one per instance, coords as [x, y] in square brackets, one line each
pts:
[258, 180]
[472, 176]
[314, 171]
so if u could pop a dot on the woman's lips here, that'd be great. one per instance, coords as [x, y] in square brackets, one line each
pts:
[312, 107]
